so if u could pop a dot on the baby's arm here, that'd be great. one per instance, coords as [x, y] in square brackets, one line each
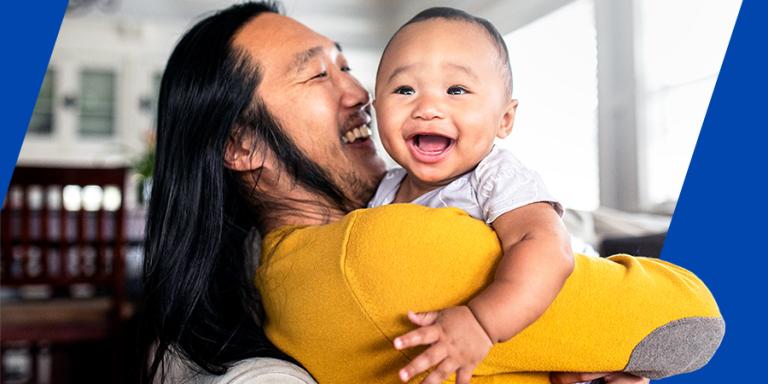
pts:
[537, 260]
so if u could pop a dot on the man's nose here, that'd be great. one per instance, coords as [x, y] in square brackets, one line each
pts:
[353, 94]
[427, 108]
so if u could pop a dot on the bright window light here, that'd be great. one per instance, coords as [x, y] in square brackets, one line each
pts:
[680, 48]
[554, 65]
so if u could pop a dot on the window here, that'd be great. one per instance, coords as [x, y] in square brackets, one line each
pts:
[554, 65]
[97, 103]
[42, 117]
[680, 48]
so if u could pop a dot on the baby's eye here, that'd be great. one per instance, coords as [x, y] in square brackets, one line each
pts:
[456, 90]
[405, 90]
[345, 68]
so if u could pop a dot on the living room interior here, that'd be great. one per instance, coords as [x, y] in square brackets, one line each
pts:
[612, 97]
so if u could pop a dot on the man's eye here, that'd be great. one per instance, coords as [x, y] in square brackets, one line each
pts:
[320, 75]
[456, 90]
[345, 68]
[405, 90]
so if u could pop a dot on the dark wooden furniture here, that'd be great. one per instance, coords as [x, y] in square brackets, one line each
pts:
[71, 252]
[648, 245]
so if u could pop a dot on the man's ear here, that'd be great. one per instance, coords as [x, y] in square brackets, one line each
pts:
[507, 120]
[239, 156]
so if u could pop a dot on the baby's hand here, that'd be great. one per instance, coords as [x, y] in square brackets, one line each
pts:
[457, 344]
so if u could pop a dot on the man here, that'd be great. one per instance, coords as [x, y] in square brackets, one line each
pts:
[253, 132]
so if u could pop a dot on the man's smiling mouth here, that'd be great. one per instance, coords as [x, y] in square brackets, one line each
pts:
[362, 132]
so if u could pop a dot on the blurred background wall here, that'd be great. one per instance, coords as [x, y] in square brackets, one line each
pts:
[612, 93]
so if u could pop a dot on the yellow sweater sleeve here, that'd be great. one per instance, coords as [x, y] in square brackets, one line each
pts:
[336, 296]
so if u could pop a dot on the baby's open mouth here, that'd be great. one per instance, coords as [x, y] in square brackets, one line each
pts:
[432, 143]
[430, 148]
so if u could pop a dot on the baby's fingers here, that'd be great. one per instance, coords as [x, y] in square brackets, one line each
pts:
[426, 360]
[420, 336]
[441, 373]
[422, 318]
[464, 375]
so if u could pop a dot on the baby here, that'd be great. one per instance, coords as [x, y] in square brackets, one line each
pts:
[443, 94]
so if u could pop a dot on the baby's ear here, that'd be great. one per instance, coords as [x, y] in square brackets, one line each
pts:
[507, 119]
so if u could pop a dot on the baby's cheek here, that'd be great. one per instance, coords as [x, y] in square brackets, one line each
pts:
[385, 128]
[389, 132]
[388, 116]
[388, 141]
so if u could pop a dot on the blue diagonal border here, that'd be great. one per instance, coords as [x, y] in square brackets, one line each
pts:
[719, 226]
[28, 30]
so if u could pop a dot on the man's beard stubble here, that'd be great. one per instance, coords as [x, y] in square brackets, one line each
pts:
[342, 189]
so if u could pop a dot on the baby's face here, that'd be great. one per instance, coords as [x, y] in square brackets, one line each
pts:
[441, 99]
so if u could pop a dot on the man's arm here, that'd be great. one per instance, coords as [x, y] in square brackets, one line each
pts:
[404, 257]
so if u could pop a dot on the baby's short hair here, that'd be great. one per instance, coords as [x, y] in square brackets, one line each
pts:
[454, 14]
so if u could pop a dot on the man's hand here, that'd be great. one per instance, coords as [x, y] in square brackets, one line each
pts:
[457, 344]
[609, 377]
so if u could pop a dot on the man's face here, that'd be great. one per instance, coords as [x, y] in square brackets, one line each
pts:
[307, 87]
[441, 99]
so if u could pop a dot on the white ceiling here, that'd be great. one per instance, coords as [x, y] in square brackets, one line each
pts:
[365, 24]
[355, 22]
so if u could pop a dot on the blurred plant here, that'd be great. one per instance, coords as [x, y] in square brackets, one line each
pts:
[144, 167]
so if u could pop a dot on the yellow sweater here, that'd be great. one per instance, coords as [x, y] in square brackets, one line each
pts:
[336, 295]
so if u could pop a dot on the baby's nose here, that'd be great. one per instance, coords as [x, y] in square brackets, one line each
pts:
[428, 109]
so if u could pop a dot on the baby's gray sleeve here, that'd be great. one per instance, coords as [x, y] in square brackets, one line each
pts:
[503, 184]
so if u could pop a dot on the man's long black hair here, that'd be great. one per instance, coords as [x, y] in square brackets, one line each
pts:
[200, 303]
